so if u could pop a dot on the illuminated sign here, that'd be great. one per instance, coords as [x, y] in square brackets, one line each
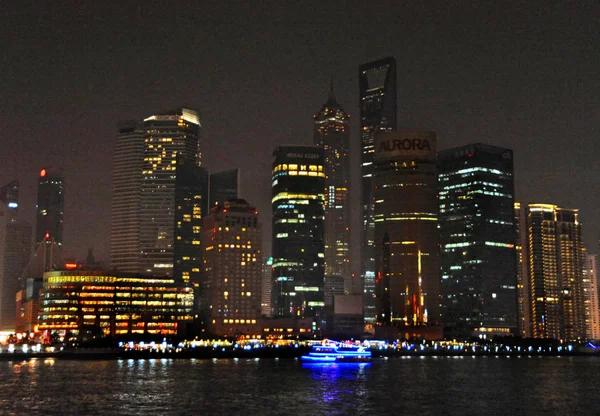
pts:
[70, 266]
[12, 205]
[303, 155]
[405, 144]
[42, 173]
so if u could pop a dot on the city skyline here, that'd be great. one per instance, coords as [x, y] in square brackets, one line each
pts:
[456, 75]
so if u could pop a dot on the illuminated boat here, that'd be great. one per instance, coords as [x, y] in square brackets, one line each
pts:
[334, 352]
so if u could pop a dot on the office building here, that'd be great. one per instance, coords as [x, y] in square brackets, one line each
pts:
[73, 300]
[147, 157]
[523, 303]
[224, 186]
[267, 284]
[477, 241]
[377, 84]
[298, 218]
[334, 286]
[406, 234]
[555, 272]
[591, 292]
[230, 288]
[332, 134]
[15, 248]
[50, 205]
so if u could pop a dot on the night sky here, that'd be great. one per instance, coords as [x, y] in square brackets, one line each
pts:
[518, 74]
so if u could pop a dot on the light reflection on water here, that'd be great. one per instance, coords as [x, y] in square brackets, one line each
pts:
[412, 385]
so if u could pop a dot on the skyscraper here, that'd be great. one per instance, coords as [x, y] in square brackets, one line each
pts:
[230, 287]
[298, 245]
[555, 272]
[591, 293]
[477, 240]
[522, 273]
[224, 186]
[145, 213]
[267, 284]
[377, 84]
[15, 248]
[50, 205]
[332, 134]
[406, 235]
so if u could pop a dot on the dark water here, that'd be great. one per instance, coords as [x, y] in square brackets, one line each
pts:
[409, 386]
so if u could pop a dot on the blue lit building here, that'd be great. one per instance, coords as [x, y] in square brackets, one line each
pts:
[298, 240]
[477, 239]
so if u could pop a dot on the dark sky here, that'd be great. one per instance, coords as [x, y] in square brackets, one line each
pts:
[518, 74]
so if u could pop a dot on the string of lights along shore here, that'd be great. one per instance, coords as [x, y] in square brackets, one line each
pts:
[446, 251]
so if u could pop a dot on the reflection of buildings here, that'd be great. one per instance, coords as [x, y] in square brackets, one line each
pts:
[15, 248]
[377, 84]
[331, 132]
[298, 247]
[230, 287]
[590, 296]
[477, 239]
[50, 205]
[406, 235]
[555, 271]
[116, 304]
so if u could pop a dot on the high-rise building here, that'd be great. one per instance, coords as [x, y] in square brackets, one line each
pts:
[230, 287]
[50, 205]
[332, 133]
[555, 272]
[524, 327]
[377, 84]
[146, 203]
[477, 241]
[15, 248]
[267, 284]
[406, 235]
[590, 296]
[191, 204]
[224, 186]
[298, 245]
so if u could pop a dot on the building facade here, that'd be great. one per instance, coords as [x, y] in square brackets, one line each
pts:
[15, 249]
[477, 241]
[523, 301]
[298, 241]
[591, 292]
[267, 284]
[116, 304]
[224, 186]
[50, 205]
[555, 272]
[230, 288]
[377, 85]
[406, 235]
[332, 134]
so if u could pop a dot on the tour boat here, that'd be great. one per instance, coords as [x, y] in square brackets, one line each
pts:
[332, 352]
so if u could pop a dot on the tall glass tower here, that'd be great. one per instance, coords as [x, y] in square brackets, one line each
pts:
[478, 238]
[377, 85]
[298, 244]
[148, 218]
[332, 134]
[50, 205]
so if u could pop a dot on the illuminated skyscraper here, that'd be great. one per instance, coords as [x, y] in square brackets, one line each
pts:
[230, 287]
[555, 272]
[50, 205]
[15, 248]
[267, 284]
[406, 234]
[332, 133]
[477, 240]
[522, 273]
[377, 84]
[145, 214]
[590, 296]
[298, 217]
